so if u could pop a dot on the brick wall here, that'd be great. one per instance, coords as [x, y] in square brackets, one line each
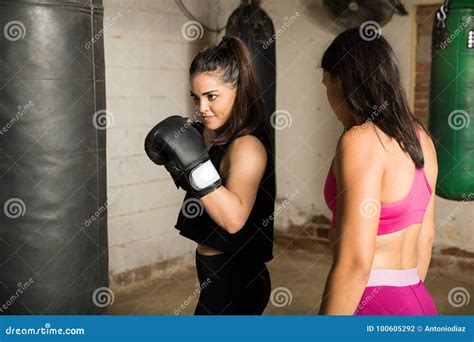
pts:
[424, 26]
[147, 60]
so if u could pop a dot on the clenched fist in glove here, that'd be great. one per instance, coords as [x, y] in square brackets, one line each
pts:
[179, 146]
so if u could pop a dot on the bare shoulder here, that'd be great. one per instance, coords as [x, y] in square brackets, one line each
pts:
[245, 150]
[360, 159]
[249, 145]
[361, 143]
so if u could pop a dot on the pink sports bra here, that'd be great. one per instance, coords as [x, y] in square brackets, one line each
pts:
[393, 216]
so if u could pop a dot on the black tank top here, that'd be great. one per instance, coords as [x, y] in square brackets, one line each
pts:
[255, 240]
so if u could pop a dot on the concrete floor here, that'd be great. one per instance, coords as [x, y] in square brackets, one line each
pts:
[300, 266]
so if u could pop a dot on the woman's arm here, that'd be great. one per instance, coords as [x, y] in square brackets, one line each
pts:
[425, 240]
[230, 206]
[358, 170]
[428, 229]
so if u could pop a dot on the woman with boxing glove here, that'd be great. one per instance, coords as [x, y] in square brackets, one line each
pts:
[226, 166]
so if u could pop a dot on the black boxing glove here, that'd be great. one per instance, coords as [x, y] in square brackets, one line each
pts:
[179, 146]
[160, 158]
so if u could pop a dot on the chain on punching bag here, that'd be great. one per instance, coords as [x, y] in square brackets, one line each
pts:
[252, 24]
[451, 118]
[52, 158]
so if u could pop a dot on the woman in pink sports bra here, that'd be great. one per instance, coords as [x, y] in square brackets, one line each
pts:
[378, 187]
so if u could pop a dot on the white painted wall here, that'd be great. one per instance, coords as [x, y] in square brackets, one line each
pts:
[147, 61]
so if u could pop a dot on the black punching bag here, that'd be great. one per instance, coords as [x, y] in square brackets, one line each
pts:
[53, 222]
[252, 24]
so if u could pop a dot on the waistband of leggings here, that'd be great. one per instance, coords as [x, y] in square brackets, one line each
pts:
[393, 277]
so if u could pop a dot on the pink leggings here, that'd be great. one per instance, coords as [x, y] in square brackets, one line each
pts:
[395, 292]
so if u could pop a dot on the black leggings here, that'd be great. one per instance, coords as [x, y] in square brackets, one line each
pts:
[229, 286]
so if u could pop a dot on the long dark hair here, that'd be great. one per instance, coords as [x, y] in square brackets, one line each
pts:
[370, 76]
[230, 61]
